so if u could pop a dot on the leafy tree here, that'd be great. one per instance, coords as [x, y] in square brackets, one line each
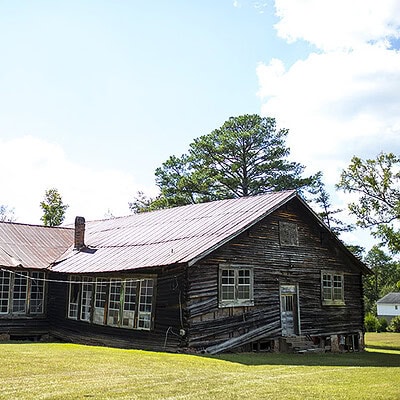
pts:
[327, 214]
[377, 181]
[142, 203]
[6, 214]
[246, 156]
[385, 278]
[395, 324]
[53, 208]
[370, 322]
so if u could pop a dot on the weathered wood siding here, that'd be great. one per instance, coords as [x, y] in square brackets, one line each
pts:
[274, 265]
[24, 326]
[167, 314]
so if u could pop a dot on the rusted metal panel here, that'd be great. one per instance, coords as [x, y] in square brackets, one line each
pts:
[32, 246]
[165, 237]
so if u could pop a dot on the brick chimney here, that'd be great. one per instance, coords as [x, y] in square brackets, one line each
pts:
[79, 233]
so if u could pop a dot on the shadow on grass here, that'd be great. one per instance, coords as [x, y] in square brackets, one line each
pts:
[362, 359]
[383, 347]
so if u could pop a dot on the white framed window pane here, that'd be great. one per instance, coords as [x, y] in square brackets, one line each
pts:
[20, 292]
[113, 317]
[128, 312]
[74, 290]
[244, 284]
[86, 298]
[244, 292]
[100, 300]
[130, 295]
[327, 287]
[4, 291]
[145, 304]
[114, 302]
[235, 286]
[337, 287]
[228, 292]
[115, 295]
[101, 292]
[228, 277]
[228, 284]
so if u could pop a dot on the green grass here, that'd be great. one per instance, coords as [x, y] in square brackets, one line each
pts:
[66, 371]
[384, 340]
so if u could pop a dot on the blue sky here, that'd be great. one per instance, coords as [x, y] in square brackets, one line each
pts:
[96, 94]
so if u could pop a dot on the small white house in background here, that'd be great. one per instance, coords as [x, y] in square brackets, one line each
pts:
[389, 306]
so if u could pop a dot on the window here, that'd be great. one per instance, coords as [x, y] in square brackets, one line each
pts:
[86, 300]
[100, 300]
[129, 305]
[235, 286]
[5, 280]
[74, 290]
[332, 288]
[288, 235]
[126, 303]
[145, 304]
[22, 292]
[114, 302]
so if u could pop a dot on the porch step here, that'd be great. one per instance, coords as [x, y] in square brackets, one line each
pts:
[302, 344]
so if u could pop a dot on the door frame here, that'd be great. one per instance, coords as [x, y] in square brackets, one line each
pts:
[291, 289]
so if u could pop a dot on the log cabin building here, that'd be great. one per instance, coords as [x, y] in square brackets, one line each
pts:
[249, 274]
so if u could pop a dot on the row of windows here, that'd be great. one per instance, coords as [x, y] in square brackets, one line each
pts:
[236, 287]
[22, 293]
[126, 303]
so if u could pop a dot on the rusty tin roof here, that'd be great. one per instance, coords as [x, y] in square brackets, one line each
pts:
[32, 246]
[158, 238]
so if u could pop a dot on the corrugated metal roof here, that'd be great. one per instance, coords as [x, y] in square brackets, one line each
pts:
[32, 246]
[390, 298]
[158, 238]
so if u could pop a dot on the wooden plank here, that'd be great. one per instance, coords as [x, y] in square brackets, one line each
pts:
[264, 332]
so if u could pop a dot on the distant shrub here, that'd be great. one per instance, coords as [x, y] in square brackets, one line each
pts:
[382, 325]
[395, 324]
[371, 323]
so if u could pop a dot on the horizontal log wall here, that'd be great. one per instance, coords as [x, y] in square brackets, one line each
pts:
[24, 327]
[168, 315]
[274, 265]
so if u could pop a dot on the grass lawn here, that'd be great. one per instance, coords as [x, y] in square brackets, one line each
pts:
[67, 371]
[384, 340]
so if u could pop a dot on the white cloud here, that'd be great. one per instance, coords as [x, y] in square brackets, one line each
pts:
[30, 166]
[338, 103]
[339, 24]
[342, 100]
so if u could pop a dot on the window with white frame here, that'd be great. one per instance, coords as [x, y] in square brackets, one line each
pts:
[114, 302]
[145, 304]
[5, 281]
[86, 298]
[129, 304]
[235, 286]
[22, 292]
[74, 291]
[126, 303]
[332, 288]
[101, 290]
